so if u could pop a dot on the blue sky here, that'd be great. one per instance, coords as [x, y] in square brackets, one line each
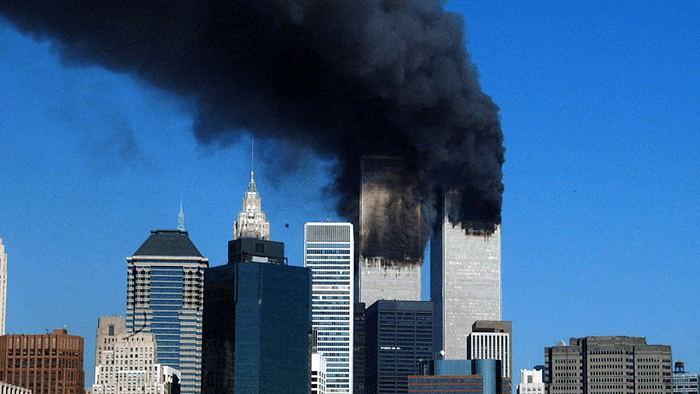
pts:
[601, 219]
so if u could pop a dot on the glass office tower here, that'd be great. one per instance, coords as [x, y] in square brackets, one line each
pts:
[328, 253]
[165, 295]
[256, 330]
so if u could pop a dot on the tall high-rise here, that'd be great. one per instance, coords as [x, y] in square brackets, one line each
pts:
[256, 328]
[608, 365]
[165, 292]
[328, 253]
[252, 221]
[465, 281]
[3, 287]
[389, 264]
[256, 313]
[492, 340]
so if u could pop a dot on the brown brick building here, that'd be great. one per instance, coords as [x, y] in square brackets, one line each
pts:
[43, 363]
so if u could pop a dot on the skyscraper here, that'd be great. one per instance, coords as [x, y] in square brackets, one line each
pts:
[608, 365]
[252, 221]
[389, 264]
[126, 362]
[328, 253]
[165, 292]
[492, 340]
[3, 287]
[256, 313]
[465, 281]
[256, 328]
[399, 336]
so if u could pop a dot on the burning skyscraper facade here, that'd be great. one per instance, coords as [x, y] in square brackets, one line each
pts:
[390, 233]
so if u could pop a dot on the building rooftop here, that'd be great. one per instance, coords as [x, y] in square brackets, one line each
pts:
[168, 243]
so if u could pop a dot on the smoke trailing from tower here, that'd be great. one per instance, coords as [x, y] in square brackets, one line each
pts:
[344, 78]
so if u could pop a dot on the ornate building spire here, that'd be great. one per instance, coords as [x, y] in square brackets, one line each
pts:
[181, 219]
[252, 221]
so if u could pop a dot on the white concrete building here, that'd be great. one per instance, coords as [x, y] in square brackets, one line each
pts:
[318, 374]
[329, 254]
[492, 340]
[531, 382]
[127, 363]
[6, 388]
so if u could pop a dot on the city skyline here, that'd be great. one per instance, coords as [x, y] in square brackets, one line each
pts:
[600, 217]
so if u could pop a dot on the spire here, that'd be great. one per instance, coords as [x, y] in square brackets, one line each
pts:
[252, 188]
[181, 219]
[252, 222]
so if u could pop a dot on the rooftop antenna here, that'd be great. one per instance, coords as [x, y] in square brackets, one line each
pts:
[252, 159]
[181, 218]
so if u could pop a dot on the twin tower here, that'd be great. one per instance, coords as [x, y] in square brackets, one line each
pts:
[465, 268]
[257, 306]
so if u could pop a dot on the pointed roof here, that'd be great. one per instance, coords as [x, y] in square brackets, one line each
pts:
[168, 243]
[251, 185]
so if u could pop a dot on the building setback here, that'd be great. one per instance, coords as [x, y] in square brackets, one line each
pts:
[43, 363]
[256, 313]
[531, 382]
[328, 253]
[126, 362]
[256, 328]
[399, 337]
[608, 365]
[465, 280]
[165, 296]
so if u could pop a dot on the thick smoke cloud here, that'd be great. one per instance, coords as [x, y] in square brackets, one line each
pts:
[345, 78]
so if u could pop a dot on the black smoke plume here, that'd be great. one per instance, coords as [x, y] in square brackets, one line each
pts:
[346, 78]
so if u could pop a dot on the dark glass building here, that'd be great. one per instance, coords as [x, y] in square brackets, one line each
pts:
[256, 326]
[398, 337]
